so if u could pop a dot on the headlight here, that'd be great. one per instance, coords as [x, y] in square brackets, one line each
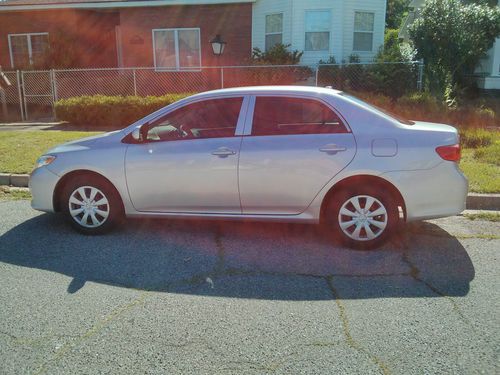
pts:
[44, 160]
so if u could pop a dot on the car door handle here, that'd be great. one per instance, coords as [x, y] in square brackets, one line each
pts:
[332, 149]
[223, 152]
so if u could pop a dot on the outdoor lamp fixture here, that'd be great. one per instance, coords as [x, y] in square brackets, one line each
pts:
[218, 45]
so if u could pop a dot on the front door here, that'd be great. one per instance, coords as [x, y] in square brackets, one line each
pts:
[188, 160]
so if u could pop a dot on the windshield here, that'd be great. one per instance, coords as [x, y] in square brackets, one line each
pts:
[378, 109]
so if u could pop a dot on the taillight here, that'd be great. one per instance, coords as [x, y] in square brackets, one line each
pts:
[451, 152]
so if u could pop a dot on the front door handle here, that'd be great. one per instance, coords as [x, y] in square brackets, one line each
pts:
[223, 152]
[332, 149]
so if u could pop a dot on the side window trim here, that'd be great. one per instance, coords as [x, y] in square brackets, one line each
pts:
[249, 116]
[251, 109]
[242, 118]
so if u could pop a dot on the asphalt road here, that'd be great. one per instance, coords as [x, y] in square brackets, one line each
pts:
[164, 297]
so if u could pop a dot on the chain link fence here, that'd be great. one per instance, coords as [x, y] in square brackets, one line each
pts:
[33, 93]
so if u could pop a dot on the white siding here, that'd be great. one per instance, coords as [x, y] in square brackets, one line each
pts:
[341, 30]
[261, 8]
[490, 64]
[489, 69]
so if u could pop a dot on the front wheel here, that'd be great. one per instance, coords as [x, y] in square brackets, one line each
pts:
[91, 205]
[363, 218]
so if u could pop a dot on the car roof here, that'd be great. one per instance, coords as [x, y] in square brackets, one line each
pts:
[270, 89]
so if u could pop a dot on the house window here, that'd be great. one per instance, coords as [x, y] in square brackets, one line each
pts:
[317, 25]
[177, 49]
[363, 31]
[274, 30]
[28, 49]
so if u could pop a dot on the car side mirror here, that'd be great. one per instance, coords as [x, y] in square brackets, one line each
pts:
[137, 134]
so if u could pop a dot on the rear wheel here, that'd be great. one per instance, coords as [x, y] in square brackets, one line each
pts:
[363, 218]
[91, 205]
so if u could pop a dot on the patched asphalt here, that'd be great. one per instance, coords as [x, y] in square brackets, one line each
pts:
[200, 297]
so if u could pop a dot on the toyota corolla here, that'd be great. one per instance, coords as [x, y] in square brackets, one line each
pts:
[289, 154]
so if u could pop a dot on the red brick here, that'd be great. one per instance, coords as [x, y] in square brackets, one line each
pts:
[93, 31]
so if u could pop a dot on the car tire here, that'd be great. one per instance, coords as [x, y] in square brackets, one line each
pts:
[362, 218]
[91, 205]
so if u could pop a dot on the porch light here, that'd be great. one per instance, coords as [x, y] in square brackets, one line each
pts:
[218, 45]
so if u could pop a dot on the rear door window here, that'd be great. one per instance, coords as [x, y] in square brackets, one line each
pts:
[286, 116]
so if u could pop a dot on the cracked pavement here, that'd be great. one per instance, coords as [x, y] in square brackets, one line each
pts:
[224, 297]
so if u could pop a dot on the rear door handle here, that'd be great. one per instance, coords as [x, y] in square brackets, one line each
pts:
[223, 152]
[332, 149]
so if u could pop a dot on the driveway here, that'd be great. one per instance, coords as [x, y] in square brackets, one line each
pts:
[162, 297]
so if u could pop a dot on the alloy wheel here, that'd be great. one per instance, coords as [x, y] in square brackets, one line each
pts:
[362, 218]
[88, 206]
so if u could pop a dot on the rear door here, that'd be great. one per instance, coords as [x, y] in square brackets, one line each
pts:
[295, 146]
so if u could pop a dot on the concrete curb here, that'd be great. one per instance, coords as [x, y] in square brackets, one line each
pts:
[483, 201]
[475, 201]
[16, 180]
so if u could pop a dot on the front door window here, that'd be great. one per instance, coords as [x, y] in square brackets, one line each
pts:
[215, 118]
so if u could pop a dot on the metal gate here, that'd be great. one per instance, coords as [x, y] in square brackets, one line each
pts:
[38, 94]
[11, 102]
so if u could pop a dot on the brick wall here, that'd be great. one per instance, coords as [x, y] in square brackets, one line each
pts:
[92, 33]
[93, 39]
[233, 22]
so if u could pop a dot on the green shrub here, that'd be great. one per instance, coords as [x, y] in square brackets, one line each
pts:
[101, 111]
[475, 138]
[422, 99]
[421, 106]
[392, 75]
[279, 54]
[378, 100]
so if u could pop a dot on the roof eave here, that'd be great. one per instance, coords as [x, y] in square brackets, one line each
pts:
[116, 4]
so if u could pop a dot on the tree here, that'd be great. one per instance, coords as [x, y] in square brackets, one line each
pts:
[393, 75]
[452, 36]
[395, 13]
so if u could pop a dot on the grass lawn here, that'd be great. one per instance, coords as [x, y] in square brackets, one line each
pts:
[483, 177]
[7, 193]
[489, 216]
[20, 149]
[482, 165]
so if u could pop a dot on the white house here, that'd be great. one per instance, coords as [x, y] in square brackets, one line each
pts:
[321, 28]
[488, 70]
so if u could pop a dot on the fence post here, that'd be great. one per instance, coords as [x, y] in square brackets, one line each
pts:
[135, 83]
[19, 92]
[420, 75]
[3, 99]
[24, 96]
[317, 73]
[221, 77]
[54, 86]
[54, 91]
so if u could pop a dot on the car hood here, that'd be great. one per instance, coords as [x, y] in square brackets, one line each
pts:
[85, 143]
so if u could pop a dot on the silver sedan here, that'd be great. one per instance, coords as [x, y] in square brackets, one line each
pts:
[290, 154]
